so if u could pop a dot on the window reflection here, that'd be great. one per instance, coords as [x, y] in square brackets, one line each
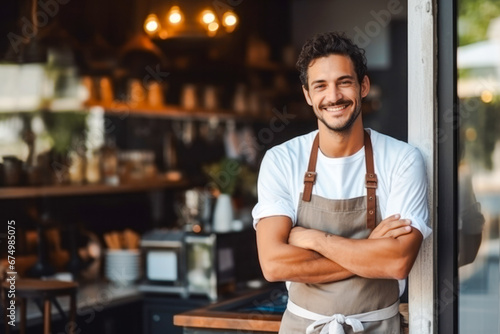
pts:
[470, 218]
[479, 168]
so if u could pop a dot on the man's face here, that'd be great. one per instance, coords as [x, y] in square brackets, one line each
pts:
[334, 92]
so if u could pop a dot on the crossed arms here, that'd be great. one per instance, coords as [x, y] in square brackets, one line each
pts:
[311, 256]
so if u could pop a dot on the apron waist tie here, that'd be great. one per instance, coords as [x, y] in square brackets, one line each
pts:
[336, 321]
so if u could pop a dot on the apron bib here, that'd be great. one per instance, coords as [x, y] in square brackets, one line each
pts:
[350, 218]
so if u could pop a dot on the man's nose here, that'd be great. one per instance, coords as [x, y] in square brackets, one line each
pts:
[334, 93]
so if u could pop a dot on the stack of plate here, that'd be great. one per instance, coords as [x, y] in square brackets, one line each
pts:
[122, 266]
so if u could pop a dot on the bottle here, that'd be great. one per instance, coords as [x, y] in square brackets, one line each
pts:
[77, 167]
[92, 172]
[109, 162]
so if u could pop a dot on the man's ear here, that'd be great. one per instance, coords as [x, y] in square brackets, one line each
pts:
[306, 95]
[365, 86]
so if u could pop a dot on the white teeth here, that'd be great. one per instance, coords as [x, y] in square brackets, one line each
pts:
[337, 108]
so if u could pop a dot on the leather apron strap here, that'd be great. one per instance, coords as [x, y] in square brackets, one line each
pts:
[370, 179]
[370, 183]
[310, 177]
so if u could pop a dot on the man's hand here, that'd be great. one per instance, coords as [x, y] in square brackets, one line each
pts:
[303, 237]
[391, 227]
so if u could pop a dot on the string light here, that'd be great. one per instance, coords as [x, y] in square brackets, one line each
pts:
[213, 26]
[229, 20]
[212, 29]
[175, 15]
[207, 16]
[152, 24]
[174, 23]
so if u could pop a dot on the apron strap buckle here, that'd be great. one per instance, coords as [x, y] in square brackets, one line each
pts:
[371, 180]
[310, 177]
[309, 180]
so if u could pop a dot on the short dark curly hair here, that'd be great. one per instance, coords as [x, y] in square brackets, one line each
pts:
[325, 44]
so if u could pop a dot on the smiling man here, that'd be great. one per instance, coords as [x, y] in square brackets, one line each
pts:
[341, 211]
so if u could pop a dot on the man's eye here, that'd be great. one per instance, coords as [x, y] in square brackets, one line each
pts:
[319, 86]
[345, 83]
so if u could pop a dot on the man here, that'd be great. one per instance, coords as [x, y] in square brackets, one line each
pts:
[322, 197]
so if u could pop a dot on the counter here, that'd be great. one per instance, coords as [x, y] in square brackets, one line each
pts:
[249, 311]
[91, 299]
[104, 307]
[253, 312]
[256, 312]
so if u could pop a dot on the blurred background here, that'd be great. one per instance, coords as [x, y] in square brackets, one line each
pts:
[129, 120]
[478, 166]
[139, 126]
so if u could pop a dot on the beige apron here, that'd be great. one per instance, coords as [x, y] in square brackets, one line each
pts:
[354, 296]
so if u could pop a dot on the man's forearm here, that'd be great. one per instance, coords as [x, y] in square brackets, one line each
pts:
[372, 258]
[281, 261]
[301, 265]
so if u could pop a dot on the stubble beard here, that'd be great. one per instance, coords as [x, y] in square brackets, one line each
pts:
[347, 126]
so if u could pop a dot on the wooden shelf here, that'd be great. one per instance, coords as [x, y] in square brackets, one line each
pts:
[171, 112]
[271, 67]
[91, 189]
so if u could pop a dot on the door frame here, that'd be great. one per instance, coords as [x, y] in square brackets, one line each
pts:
[433, 127]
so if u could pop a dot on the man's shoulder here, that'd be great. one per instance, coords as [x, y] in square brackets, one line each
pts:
[295, 146]
[390, 145]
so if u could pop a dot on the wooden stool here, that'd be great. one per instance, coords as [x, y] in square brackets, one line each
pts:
[39, 289]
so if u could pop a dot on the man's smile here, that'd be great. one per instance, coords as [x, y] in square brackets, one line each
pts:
[336, 108]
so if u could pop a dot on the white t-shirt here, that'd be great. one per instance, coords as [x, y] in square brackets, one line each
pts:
[400, 169]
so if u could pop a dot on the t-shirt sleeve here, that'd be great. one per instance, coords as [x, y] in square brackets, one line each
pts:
[408, 194]
[273, 189]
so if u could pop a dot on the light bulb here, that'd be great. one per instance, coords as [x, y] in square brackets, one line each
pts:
[212, 29]
[175, 15]
[207, 17]
[151, 24]
[213, 26]
[229, 19]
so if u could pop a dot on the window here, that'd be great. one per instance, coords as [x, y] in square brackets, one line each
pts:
[478, 166]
